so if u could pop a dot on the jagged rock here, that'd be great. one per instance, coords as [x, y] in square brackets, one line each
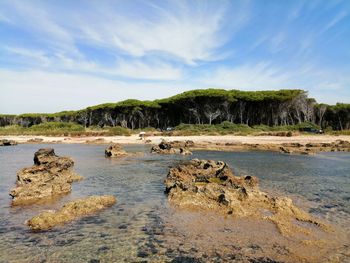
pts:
[175, 147]
[115, 150]
[5, 142]
[50, 176]
[202, 184]
[70, 211]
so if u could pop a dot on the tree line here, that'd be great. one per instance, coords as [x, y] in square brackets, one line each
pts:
[206, 106]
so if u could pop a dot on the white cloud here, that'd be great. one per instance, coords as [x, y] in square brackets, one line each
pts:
[187, 34]
[252, 77]
[37, 19]
[139, 70]
[40, 91]
[266, 76]
[36, 55]
[133, 69]
[188, 31]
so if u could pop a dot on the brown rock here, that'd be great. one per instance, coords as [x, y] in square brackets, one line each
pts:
[70, 211]
[50, 176]
[96, 141]
[175, 147]
[202, 184]
[5, 142]
[35, 140]
[115, 150]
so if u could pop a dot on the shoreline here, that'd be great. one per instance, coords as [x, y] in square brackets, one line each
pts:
[209, 139]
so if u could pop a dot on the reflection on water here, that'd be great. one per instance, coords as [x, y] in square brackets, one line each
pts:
[142, 227]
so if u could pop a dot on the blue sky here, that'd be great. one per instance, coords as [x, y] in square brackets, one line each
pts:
[61, 55]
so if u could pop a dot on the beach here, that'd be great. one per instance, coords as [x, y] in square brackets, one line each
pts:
[203, 139]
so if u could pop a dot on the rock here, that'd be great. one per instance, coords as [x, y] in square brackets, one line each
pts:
[185, 151]
[71, 211]
[115, 150]
[285, 150]
[35, 140]
[50, 176]
[343, 144]
[308, 150]
[175, 147]
[96, 141]
[5, 142]
[207, 184]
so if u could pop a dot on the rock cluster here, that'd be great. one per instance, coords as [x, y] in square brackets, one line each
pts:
[312, 148]
[175, 147]
[286, 148]
[70, 211]
[5, 142]
[50, 176]
[203, 184]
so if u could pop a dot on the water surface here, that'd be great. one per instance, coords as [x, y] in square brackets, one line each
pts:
[143, 227]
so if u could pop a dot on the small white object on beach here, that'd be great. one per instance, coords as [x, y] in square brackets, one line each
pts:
[142, 135]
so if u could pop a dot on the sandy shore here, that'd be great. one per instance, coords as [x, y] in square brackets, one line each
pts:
[134, 139]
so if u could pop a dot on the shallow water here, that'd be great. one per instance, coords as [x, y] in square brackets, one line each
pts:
[143, 227]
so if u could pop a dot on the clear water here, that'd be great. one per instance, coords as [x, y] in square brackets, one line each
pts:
[143, 227]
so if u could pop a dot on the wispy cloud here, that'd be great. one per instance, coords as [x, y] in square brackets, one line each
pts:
[335, 20]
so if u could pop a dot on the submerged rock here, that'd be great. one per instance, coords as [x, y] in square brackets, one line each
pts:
[70, 211]
[50, 176]
[5, 142]
[175, 147]
[207, 184]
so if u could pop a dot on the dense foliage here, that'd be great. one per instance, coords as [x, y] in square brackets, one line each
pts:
[284, 108]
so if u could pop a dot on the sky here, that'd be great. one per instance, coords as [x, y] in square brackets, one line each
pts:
[67, 55]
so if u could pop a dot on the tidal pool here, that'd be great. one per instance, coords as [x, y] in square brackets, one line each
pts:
[144, 227]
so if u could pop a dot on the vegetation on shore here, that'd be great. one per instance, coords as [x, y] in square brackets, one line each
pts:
[224, 128]
[282, 108]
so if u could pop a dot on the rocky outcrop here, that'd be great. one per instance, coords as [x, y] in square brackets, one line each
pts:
[50, 176]
[176, 147]
[35, 140]
[6, 142]
[96, 141]
[286, 148]
[71, 211]
[202, 184]
[115, 150]
[312, 148]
